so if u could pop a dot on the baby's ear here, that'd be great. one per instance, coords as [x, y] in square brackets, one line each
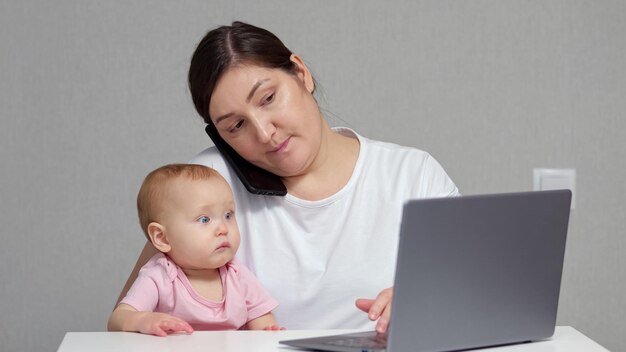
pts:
[156, 232]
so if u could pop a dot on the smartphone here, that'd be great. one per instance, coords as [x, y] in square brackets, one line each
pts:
[255, 179]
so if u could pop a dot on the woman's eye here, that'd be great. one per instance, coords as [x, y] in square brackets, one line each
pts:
[203, 219]
[269, 98]
[236, 126]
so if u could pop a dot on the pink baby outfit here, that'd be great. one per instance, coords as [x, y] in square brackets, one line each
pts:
[163, 287]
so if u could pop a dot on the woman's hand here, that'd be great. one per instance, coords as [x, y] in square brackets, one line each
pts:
[378, 309]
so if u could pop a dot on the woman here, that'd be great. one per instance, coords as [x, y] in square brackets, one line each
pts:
[333, 238]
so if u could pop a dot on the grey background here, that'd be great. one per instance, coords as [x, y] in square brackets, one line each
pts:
[93, 96]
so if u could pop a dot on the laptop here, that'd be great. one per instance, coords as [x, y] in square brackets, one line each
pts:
[471, 272]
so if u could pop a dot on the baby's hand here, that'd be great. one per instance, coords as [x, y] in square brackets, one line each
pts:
[273, 328]
[160, 324]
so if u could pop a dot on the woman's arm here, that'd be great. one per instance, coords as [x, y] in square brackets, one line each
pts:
[147, 253]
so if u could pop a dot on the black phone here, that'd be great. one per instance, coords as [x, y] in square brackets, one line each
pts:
[255, 179]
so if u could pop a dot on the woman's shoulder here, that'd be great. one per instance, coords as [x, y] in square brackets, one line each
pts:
[210, 157]
[391, 152]
[411, 166]
[378, 145]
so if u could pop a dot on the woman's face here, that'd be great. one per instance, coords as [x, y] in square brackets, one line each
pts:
[269, 117]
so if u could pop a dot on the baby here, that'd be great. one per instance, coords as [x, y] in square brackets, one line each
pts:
[188, 213]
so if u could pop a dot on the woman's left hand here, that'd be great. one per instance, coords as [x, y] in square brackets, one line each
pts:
[378, 309]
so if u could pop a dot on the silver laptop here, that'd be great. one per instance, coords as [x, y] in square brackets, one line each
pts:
[472, 271]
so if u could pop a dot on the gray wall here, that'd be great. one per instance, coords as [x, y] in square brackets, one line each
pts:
[93, 96]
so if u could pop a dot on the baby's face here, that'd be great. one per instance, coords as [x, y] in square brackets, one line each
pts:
[200, 224]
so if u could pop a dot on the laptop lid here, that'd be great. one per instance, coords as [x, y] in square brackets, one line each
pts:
[471, 272]
[476, 271]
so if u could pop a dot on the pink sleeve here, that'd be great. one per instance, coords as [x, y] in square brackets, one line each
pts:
[144, 294]
[258, 300]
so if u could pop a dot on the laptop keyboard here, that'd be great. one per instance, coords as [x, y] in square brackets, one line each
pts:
[378, 342]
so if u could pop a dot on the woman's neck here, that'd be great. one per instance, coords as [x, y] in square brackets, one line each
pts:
[331, 169]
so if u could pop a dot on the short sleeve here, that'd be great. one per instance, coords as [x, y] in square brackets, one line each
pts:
[437, 181]
[144, 293]
[258, 300]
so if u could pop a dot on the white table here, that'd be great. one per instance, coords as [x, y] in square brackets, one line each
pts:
[565, 339]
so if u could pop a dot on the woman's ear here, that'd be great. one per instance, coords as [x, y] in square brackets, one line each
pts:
[303, 73]
[156, 232]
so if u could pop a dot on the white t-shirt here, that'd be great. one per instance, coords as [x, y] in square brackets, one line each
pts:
[317, 257]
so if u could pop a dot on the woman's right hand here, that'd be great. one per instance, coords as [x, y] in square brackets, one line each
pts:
[378, 309]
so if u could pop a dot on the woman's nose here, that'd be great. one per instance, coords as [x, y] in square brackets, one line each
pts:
[264, 129]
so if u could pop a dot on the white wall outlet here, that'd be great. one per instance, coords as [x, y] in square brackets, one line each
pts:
[549, 179]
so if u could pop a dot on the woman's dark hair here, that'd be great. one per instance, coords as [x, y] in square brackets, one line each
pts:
[226, 46]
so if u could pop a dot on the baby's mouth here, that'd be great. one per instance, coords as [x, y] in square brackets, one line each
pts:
[222, 246]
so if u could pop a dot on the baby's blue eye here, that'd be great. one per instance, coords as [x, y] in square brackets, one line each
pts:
[203, 219]
[228, 215]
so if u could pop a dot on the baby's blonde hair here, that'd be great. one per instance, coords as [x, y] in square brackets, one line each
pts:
[154, 185]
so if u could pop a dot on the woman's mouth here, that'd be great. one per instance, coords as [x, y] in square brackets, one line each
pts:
[281, 147]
